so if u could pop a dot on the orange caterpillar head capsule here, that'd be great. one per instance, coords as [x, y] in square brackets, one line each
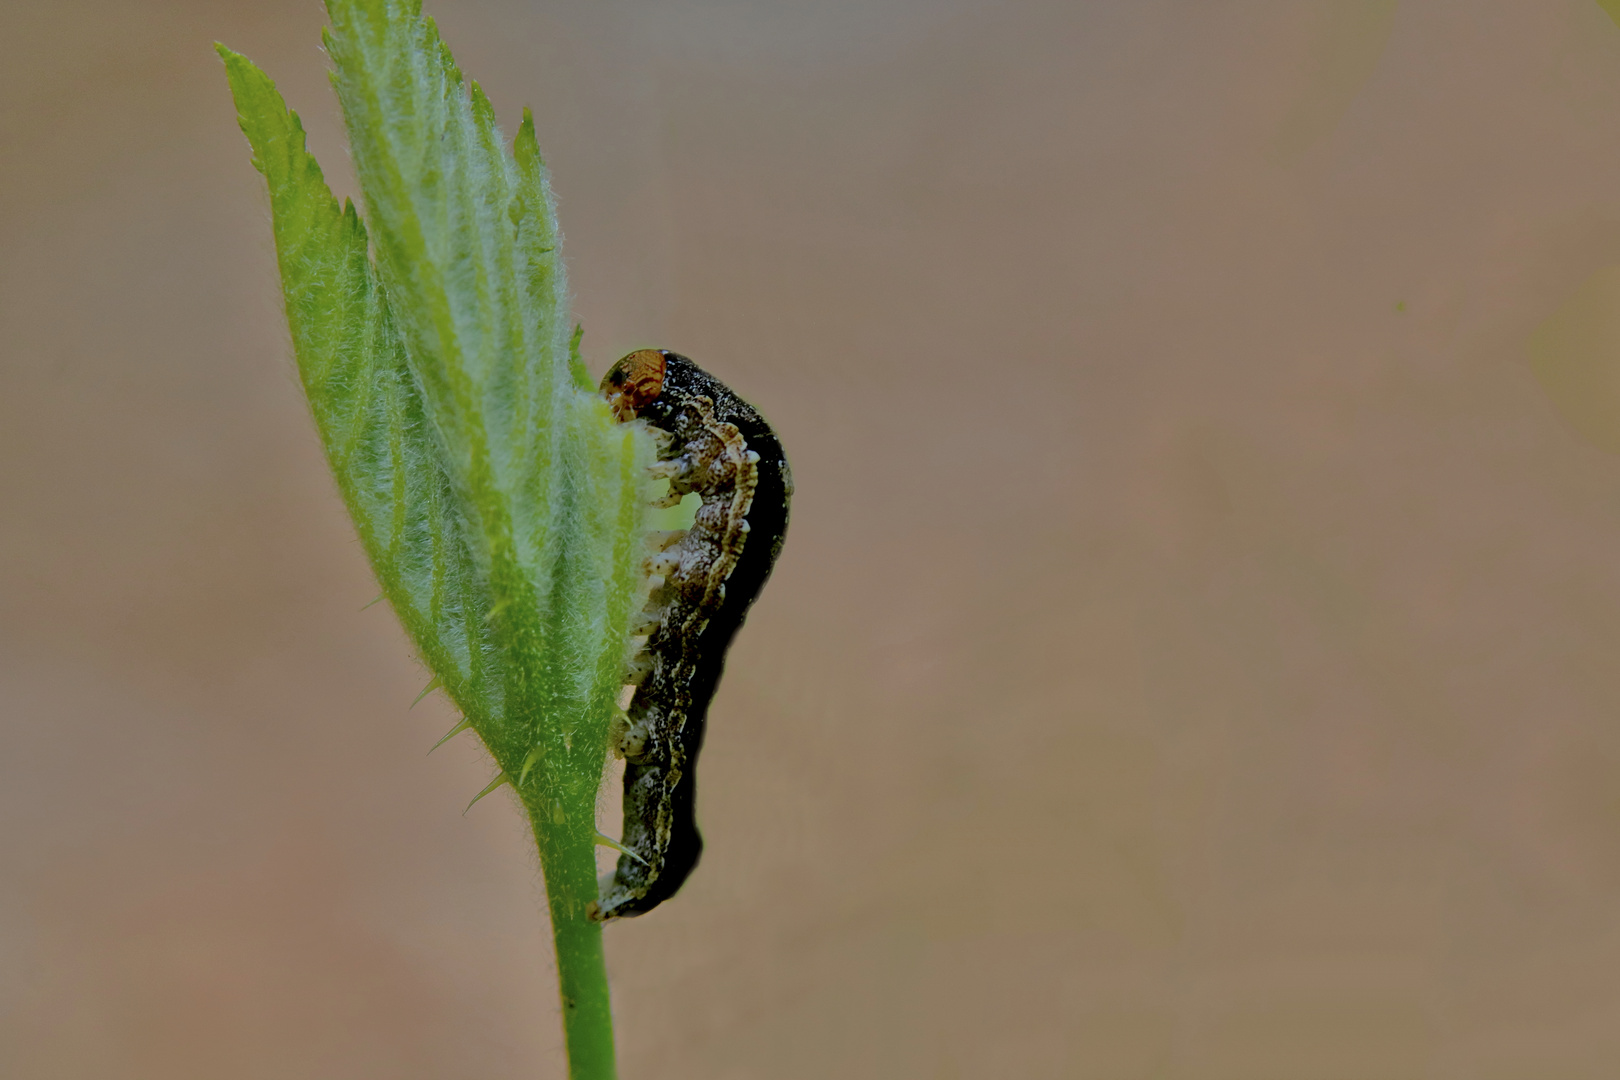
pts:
[634, 383]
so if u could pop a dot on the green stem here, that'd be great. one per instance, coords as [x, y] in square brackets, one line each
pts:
[568, 859]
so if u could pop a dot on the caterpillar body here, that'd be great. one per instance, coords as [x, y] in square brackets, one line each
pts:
[704, 581]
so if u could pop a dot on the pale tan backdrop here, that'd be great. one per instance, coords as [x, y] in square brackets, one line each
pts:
[1196, 655]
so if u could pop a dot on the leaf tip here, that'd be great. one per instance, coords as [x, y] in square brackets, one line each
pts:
[525, 147]
[239, 70]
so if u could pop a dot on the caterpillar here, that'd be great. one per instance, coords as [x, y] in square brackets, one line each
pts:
[704, 581]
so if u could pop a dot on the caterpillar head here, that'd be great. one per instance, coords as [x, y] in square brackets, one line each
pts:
[635, 382]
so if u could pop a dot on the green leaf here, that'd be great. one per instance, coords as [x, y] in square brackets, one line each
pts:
[466, 242]
[500, 506]
[364, 399]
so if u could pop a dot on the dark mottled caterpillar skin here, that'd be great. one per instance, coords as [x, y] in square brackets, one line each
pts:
[721, 448]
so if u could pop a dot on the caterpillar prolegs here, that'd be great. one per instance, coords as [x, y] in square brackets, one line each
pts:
[704, 580]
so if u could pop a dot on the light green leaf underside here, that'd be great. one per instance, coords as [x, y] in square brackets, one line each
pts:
[365, 402]
[499, 505]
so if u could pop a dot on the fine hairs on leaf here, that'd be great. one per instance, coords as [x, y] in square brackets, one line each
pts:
[500, 506]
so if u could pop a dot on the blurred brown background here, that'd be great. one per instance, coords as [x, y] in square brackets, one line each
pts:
[1195, 654]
